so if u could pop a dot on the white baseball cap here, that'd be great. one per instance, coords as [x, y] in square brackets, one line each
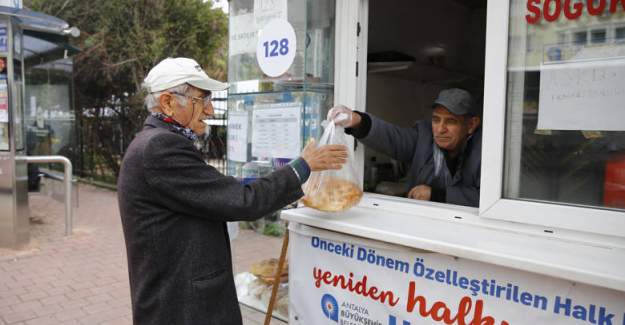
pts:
[173, 72]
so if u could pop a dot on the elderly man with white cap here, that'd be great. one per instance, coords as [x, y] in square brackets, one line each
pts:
[174, 206]
[444, 153]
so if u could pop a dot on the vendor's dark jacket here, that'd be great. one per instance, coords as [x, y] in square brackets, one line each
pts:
[415, 146]
[174, 209]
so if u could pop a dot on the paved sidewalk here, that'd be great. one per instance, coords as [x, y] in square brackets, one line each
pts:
[83, 279]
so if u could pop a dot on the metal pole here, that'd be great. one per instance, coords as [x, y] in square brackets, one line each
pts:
[67, 179]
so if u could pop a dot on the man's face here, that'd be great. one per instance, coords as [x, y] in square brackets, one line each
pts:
[192, 114]
[451, 130]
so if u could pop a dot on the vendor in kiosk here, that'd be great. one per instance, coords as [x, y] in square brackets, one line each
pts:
[444, 153]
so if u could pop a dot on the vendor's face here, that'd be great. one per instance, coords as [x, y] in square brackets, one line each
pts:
[192, 114]
[451, 130]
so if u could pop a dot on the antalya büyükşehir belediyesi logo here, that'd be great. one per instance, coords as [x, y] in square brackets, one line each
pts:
[330, 307]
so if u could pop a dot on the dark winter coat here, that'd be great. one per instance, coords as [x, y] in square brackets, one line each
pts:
[174, 209]
[415, 145]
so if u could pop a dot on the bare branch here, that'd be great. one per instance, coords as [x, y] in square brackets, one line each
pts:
[58, 12]
[113, 65]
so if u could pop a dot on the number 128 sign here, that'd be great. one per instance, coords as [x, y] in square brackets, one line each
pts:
[276, 47]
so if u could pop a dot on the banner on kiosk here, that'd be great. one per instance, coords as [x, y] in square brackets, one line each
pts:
[339, 279]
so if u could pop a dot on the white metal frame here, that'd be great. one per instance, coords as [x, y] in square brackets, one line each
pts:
[492, 204]
[596, 225]
[613, 33]
[349, 84]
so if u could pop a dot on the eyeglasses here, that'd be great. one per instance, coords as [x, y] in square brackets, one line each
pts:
[204, 100]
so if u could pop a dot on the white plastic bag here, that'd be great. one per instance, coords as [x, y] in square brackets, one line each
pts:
[333, 190]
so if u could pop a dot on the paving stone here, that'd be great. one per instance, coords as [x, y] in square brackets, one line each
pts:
[99, 298]
[16, 317]
[70, 314]
[103, 316]
[26, 306]
[48, 310]
[118, 321]
[9, 300]
[83, 293]
[96, 308]
[83, 279]
[81, 285]
[77, 303]
[34, 295]
[4, 311]
[58, 299]
[47, 320]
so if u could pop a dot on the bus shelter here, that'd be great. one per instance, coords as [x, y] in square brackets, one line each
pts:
[36, 115]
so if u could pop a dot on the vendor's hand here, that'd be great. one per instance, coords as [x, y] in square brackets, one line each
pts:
[420, 192]
[331, 156]
[343, 116]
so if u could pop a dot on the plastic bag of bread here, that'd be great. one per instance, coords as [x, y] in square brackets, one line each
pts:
[333, 190]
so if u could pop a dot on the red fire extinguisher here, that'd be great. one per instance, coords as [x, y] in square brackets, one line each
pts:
[614, 183]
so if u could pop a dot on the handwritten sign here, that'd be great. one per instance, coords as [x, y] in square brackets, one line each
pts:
[583, 96]
[237, 136]
[242, 34]
[268, 10]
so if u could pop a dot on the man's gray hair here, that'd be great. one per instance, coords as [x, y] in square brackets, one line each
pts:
[151, 100]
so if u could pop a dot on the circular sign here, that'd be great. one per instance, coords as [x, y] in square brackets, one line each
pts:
[276, 47]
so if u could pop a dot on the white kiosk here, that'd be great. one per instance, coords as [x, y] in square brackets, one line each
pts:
[546, 244]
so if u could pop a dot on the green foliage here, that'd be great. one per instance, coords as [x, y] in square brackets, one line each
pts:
[275, 229]
[120, 41]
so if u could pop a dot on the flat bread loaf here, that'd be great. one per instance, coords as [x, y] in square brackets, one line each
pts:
[334, 194]
[266, 270]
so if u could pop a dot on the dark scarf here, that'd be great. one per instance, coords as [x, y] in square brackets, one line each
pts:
[176, 127]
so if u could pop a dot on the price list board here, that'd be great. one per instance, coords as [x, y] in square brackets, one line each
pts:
[276, 131]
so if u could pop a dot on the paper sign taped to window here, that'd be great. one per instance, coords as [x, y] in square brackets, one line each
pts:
[237, 136]
[268, 10]
[277, 130]
[242, 34]
[4, 40]
[4, 102]
[587, 95]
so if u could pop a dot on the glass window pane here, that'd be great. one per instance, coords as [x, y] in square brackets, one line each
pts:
[619, 34]
[565, 139]
[49, 114]
[17, 108]
[4, 111]
[247, 18]
[261, 107]
[4, 106]
[597, 36]
[580, 37]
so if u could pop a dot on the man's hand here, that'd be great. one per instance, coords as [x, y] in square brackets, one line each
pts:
[331, 156]
[420, 192]
[343, 116]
